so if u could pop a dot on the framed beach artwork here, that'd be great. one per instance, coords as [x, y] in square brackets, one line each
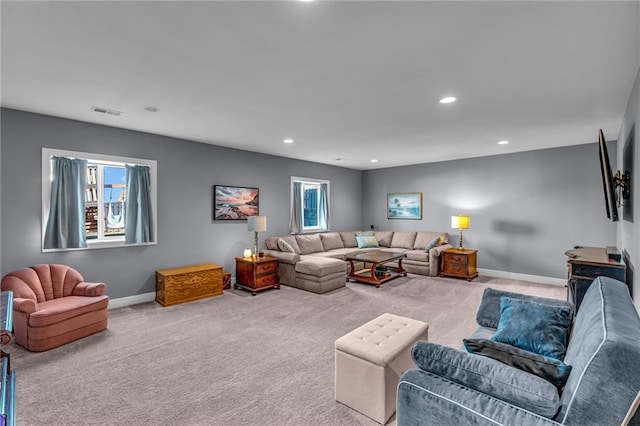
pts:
[404, 205]
[234, 202]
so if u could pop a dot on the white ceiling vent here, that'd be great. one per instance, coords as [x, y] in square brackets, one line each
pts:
[106, 111]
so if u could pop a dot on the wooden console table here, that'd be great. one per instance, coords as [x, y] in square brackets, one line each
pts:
[584, 264]
[187, 283]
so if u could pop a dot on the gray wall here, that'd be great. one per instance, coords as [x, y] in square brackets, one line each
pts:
[526, 208]
[186, 173]
[629, 231]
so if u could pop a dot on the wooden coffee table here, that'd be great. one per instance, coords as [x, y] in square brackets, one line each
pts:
[378, 273]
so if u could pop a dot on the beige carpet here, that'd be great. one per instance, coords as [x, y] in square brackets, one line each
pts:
[233, 359]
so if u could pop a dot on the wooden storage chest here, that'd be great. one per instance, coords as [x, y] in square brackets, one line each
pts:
[187, 283]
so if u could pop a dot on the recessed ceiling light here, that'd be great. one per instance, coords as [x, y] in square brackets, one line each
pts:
[448, 99]
[374, 161]
[288, 141]
[503, 142]
[108, 111]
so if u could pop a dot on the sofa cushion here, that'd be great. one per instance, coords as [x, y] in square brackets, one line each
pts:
[309, 243]
[553, 370]
[271, 243]
[320, 266]
[331, 240]
[418, 255]
[424, 237]
[403, 240]
[488, 376]
[285, 246]
[488, 314]
[384, 238]
[534, 327]
[367, 241]
[349, 239]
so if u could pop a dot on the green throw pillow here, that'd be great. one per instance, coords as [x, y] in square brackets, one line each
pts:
[366, 241]
[534, 327]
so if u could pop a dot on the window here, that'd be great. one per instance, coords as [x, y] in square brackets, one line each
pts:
[105, 198]
[84, 200]
[309, 205]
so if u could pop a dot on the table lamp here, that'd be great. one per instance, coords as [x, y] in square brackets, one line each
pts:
[257, 224]
[460, 222]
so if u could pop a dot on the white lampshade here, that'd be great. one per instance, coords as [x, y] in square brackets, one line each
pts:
[460, 222]
[257, 223]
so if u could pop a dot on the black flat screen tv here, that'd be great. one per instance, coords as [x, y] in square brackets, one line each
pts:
[607, 179]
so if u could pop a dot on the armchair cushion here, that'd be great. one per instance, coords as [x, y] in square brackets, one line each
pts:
[58, 310]
[534, 327]
[549, 369]
[488, 376]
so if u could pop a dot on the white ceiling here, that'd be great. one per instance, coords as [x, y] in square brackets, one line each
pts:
[346, 80]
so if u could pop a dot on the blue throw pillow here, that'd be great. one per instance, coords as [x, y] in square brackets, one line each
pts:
[553, 370]
[433, 243]
[366, 241]
[489, 311]
[534, 327]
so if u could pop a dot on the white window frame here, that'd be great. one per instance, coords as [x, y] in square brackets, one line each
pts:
[314, 182]
[107, 242]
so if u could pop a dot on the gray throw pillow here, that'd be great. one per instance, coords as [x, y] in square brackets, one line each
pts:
[488, 376]
[285, 246]
[553, 370]
[433, 243]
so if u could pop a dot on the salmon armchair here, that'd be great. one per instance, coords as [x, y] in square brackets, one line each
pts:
[53, 305]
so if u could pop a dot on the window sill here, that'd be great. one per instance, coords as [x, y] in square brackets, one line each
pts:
[95, 245]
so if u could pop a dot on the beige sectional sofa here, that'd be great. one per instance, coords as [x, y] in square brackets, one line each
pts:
[316, 262]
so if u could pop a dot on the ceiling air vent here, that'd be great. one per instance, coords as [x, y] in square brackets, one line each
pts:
[106, 111]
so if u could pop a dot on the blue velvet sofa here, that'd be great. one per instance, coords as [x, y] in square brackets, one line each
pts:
[454, 387]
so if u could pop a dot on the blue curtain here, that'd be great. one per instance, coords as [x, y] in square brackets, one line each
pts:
[65, 225]
[139, 219]
[295, 223]
[323, 208]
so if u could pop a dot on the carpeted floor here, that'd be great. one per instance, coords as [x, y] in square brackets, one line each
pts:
[233, 359]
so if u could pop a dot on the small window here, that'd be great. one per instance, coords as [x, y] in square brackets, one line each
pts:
[309, 205]
[102, 199]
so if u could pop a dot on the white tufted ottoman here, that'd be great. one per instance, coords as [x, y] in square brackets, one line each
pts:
[371, 359]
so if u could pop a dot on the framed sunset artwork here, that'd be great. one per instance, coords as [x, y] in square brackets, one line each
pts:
[235, 202]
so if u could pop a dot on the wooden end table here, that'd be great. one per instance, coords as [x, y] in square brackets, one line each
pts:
[256, 274]
[459, 263]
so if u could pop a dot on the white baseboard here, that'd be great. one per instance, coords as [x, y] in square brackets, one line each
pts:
[150, 297]
[562, 282]
[131, 300]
